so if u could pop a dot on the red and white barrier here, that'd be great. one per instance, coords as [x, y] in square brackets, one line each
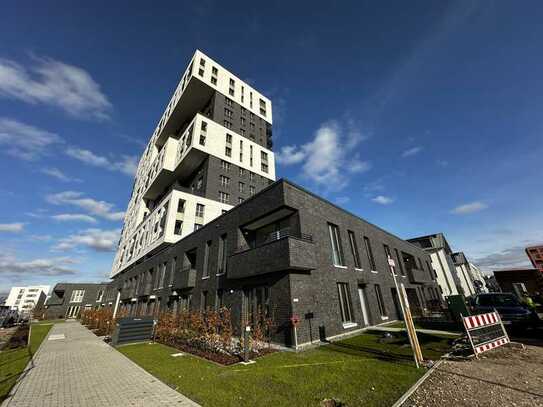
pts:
[478, 321]
[478, 331]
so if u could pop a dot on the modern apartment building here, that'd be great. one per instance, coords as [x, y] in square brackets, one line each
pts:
[208, 227]
[210, 151]
[535, 253]
[463, 271]
[67, 300]
[24, 299]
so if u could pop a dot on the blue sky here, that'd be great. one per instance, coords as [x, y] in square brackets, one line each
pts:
[420, 117]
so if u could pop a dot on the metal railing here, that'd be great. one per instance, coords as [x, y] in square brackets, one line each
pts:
[274, 236]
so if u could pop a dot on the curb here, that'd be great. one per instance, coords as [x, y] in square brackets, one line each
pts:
[417, 384]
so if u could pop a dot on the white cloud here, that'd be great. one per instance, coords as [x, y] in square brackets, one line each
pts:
[469, 208]
[383, 200]
[96, 239]
[54, 83]
[412, 151]
[58, 174]
[508, 258]
[11, 227]
[24, 141]
[126, 164]
[328, 159]
[98, 208]
[53, 266]
[74, 217]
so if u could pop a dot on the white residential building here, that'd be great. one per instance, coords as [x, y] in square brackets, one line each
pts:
[210, 151]
[24, 299]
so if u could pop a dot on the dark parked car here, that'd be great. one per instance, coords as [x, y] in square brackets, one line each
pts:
[511, 310]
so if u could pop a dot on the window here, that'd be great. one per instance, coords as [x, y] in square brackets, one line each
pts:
[227, 124]
[262, 107]
[199, 183]
[241, 187]
[228, 101]
[214, 70]
[337, 252]
[197, 226]
[380, 301]
[206, 259]
[228, 138]
[240, 200]
[225, 181]
[228, 113]
[202, 62]
[77, 295]
[264, 167]
[252, 190]
[228, 151]
[369, 253]
[178, 227]
[173, 270]
[225, 165]
[222, 255]
[213, 80]
[251, 156]
[354, 250]
[224, 197]
[251, 176]
[202, 140]
[100, 295]
[242, 132]
[345, 303]
[242, 121]
[200, 210]
[201, 72]
[180, 206]
[400, 262]
[241, 172]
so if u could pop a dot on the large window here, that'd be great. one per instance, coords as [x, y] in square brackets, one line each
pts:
[400, 262]
[354, 250]
[337, 252]
[206, 259]
[380, 302]
[369, 253]
[77, 295]
[200, 210]
[345, 303]
[222, 255]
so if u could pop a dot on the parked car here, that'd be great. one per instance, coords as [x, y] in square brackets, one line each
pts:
[511, 310]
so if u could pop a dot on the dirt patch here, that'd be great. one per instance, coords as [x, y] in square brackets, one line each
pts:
[502, 377]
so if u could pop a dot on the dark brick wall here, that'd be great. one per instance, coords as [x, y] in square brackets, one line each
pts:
[291, 291]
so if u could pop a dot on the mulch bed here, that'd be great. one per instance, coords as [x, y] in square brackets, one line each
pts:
[221, 358]
[19, 339]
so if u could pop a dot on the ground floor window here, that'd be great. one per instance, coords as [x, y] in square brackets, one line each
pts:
[380, 302]
[345, 303]
[256, 304]
[73, 311]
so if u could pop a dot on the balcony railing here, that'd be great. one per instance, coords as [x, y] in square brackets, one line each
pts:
[418, 276]
[274, 236]
[282, 252]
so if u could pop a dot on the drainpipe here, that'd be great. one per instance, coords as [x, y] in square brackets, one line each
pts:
[116, 304]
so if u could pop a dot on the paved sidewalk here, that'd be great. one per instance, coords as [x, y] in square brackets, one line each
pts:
[81, 370]
[385, 328]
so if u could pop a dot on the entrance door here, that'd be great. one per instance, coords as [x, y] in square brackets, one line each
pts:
[73, 311]
[362, 297]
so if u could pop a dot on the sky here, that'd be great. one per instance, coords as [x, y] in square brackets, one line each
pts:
[420, 117]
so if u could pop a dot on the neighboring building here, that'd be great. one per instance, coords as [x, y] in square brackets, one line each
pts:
[535, 253]
[491, 284]
[68, 299]
[207, 227]
[520, 281]
[463, 271]
[210, 151]
[478, 278]
[24, 299]
[442, 262]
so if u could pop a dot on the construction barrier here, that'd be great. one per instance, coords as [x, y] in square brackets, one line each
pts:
[485, 332]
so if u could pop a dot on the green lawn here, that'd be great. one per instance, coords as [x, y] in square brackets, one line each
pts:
[13, 362]
[358, 371]
[49, 322]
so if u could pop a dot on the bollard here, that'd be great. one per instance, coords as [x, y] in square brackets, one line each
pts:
[246, 343]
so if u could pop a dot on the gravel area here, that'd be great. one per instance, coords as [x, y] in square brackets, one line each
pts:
[507, 376]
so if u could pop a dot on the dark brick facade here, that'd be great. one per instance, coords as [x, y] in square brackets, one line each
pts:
[280, 239]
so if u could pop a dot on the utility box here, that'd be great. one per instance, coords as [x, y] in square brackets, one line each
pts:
[133, 329]
[458, 307]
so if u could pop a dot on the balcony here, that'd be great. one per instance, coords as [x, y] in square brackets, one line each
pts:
[161, 169]
[186, 278]
[418, 276]
[283, 252]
